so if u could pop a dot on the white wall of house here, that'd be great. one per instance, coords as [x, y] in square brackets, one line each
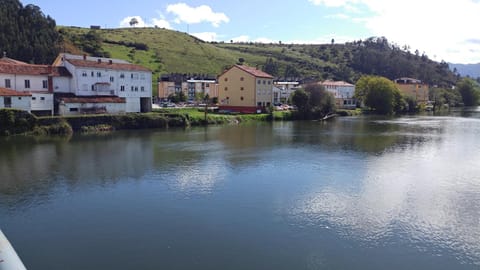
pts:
[133, 104]
[20, 103]
[264, 91]
[24, 83]
[62, 85]
[66, 109]
[42, 102]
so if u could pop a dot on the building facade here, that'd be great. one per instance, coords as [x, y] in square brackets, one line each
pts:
[343, 92]
[38, 81]
[191, 86]
[414, 88]
[245, 89]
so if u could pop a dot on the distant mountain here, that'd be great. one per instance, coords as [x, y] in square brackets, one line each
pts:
[472, 70]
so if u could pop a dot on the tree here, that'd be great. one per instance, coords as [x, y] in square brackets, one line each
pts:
[133, 22]
[300, 99]
[470, 92]
[27, 34]
[380, 94]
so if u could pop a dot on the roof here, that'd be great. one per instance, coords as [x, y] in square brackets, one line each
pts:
[93, 100]
[12, 93]
[106, 65]
[20, 68]
[250, 70]
[336, 83]
[255, 72]
[6, 60]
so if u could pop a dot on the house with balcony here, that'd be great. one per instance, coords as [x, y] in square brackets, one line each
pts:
[245, 89]
[414, 88]
[103, 85]
[343, 93]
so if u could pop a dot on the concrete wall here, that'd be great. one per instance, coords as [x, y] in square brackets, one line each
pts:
[42, 102]
[86, 108]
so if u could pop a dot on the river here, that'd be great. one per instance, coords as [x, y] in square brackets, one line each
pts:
[353, 193]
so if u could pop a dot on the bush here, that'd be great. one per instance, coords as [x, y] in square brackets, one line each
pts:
[16, 122]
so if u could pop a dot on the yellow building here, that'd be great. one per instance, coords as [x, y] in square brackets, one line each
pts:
[414, 88]
[245, 89]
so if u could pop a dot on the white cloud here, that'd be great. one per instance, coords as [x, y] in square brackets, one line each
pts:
[162, 23]
[192, 15]
[206, 36]
[243, 38]
[339, 16]
[440, 28]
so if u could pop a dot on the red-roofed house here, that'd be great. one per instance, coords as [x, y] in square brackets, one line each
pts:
[15, 99]
[96, 78]
[38, 81]
[245, 89]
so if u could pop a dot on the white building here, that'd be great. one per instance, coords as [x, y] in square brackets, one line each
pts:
[96, 78]
[284, 91]
[12, 99]
[39, 81]
[343, 92]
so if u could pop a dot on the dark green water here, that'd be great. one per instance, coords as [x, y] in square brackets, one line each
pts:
[355, 193]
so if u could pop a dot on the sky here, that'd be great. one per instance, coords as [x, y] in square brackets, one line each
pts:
[446, 30]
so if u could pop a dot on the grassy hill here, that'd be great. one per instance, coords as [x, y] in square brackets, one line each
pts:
[166, 51]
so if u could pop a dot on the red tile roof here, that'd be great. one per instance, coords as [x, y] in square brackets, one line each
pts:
[28, 69]
[255, 72]
[12, 93]
[6, 60]
[93, 100]
[106, 65]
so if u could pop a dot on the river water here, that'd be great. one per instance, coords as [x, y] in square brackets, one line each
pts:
[354, 193]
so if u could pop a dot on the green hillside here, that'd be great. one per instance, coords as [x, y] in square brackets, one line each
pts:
[166, 51]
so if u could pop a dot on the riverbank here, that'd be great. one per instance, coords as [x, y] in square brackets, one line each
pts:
[14, 122]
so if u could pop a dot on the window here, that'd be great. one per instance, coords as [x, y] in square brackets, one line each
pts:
[45, 84]
[264, 82]
[136, 88]
[84, 74]
[226, 88]
[8, 84]
[241, 98]
[42, 98]
[242, 79]
[269, 82]
[122, 76]
[99, 74]
[122, 88]
[207, 85]
[34, 98]
[131, 88]
[142, 88]
[93, 87]
[226, 79]
[74, 109]
[259, 82]
[134, 76]
[93, 74]
[112, 79]
[142, 76]
[27, 84]
[19, 98]
[241, 88]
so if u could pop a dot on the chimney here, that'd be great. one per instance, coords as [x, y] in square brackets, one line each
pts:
[84, 57]
[110, 61]
[99, 60]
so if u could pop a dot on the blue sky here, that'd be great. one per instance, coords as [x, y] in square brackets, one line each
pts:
[443, 29]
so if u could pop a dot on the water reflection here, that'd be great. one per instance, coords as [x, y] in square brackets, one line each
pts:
[426, 195]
